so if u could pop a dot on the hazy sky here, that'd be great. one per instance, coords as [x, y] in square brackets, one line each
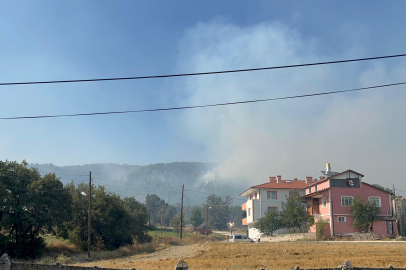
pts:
[58, 40]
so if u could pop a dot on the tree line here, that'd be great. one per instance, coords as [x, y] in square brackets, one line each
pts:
[31, 206]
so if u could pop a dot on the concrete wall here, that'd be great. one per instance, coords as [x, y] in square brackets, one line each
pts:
[287, 237]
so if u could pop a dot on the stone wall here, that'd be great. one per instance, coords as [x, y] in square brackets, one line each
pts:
[288, 237]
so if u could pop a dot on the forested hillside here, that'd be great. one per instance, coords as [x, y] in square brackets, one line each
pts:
[163, 179]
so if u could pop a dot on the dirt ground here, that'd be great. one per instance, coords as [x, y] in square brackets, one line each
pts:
[171, 252]
[283, 255]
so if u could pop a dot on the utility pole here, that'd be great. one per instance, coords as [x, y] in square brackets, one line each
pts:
[396, 209]
[162, 218]
[89, 229]
[207, 220]
[181, 213]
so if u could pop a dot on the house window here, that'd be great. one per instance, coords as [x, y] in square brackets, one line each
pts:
[324, 202]
[310, 190]
[389, 227]
[272, 195]
[315, 188]
[249, 211]
[342, 219]
[375, 201]
[345, 183]
[346, 200]
[272, 209]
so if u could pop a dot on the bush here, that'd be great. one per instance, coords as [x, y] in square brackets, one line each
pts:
[321, 228]
[4, 244]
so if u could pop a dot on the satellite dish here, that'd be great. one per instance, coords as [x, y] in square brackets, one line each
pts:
[351, 182]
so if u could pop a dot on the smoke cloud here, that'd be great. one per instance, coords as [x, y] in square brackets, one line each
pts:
[363, 131]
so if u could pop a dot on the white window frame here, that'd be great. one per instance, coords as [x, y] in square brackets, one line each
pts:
[324, 202]
[344, 219]
[352, 198]
[375, 197]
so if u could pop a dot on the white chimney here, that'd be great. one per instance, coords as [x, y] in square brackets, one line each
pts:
[328, 168]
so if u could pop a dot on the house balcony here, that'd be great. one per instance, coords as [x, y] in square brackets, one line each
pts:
[244, 221]
[244, 207]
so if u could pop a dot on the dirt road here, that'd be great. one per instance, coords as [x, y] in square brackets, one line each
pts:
[167, 253]
[172, 252]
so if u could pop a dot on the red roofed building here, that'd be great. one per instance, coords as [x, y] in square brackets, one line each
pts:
[261, 198]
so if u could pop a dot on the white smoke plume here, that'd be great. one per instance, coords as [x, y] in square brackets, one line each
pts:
[363, 131]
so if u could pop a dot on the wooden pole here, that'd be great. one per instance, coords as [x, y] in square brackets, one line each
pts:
[89, 229]
[181, 213]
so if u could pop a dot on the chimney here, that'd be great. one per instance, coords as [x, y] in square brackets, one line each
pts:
[309, 179]
[321, 178]
[328, 168]
[295, 179]
[279, 179]
[272, 179]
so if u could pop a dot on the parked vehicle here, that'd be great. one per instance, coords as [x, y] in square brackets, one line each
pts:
[240, 238]
[257, 238]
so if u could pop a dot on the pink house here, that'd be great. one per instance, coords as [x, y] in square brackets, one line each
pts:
[329, 197]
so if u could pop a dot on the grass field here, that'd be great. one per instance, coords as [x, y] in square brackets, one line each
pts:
[167, 232]
[284, 255]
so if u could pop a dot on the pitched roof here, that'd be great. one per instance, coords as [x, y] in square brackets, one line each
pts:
[284, 184]
[325, 179]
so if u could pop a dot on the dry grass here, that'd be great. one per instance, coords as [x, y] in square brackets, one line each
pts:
[285, 255]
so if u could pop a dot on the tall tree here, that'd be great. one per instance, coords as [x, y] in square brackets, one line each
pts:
[270, 223]
[294, 212]
[175, 224]
[363, 213]
[196, 218]
[154, 206]
[236, 216]
[218, 211]
[31, 204]
[117, 221]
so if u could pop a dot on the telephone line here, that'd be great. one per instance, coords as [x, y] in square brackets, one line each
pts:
[202, 73]
[202, 106]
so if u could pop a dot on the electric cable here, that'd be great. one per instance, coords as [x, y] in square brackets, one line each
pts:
[203, 106]
[202, 73]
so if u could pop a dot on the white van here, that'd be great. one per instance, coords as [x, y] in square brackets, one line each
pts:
[240, 238]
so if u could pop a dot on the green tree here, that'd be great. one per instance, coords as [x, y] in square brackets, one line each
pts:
[270, 223]
[218, 211]
[117, 221]
[236, 216]
[363, 213]
[154, 207]
[175, 224]
[30, 205]
[196, 218]
[294, 212]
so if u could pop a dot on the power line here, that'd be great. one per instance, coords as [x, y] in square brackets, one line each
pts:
[203, 106]
[203, 73]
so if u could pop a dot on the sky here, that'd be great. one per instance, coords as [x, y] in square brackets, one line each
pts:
[62, 40]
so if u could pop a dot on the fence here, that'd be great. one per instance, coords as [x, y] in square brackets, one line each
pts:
[7, 264]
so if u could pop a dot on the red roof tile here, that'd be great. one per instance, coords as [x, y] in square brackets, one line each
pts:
[298, 184]
[294, 184]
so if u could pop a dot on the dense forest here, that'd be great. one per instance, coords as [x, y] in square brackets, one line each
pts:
[163, 179]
